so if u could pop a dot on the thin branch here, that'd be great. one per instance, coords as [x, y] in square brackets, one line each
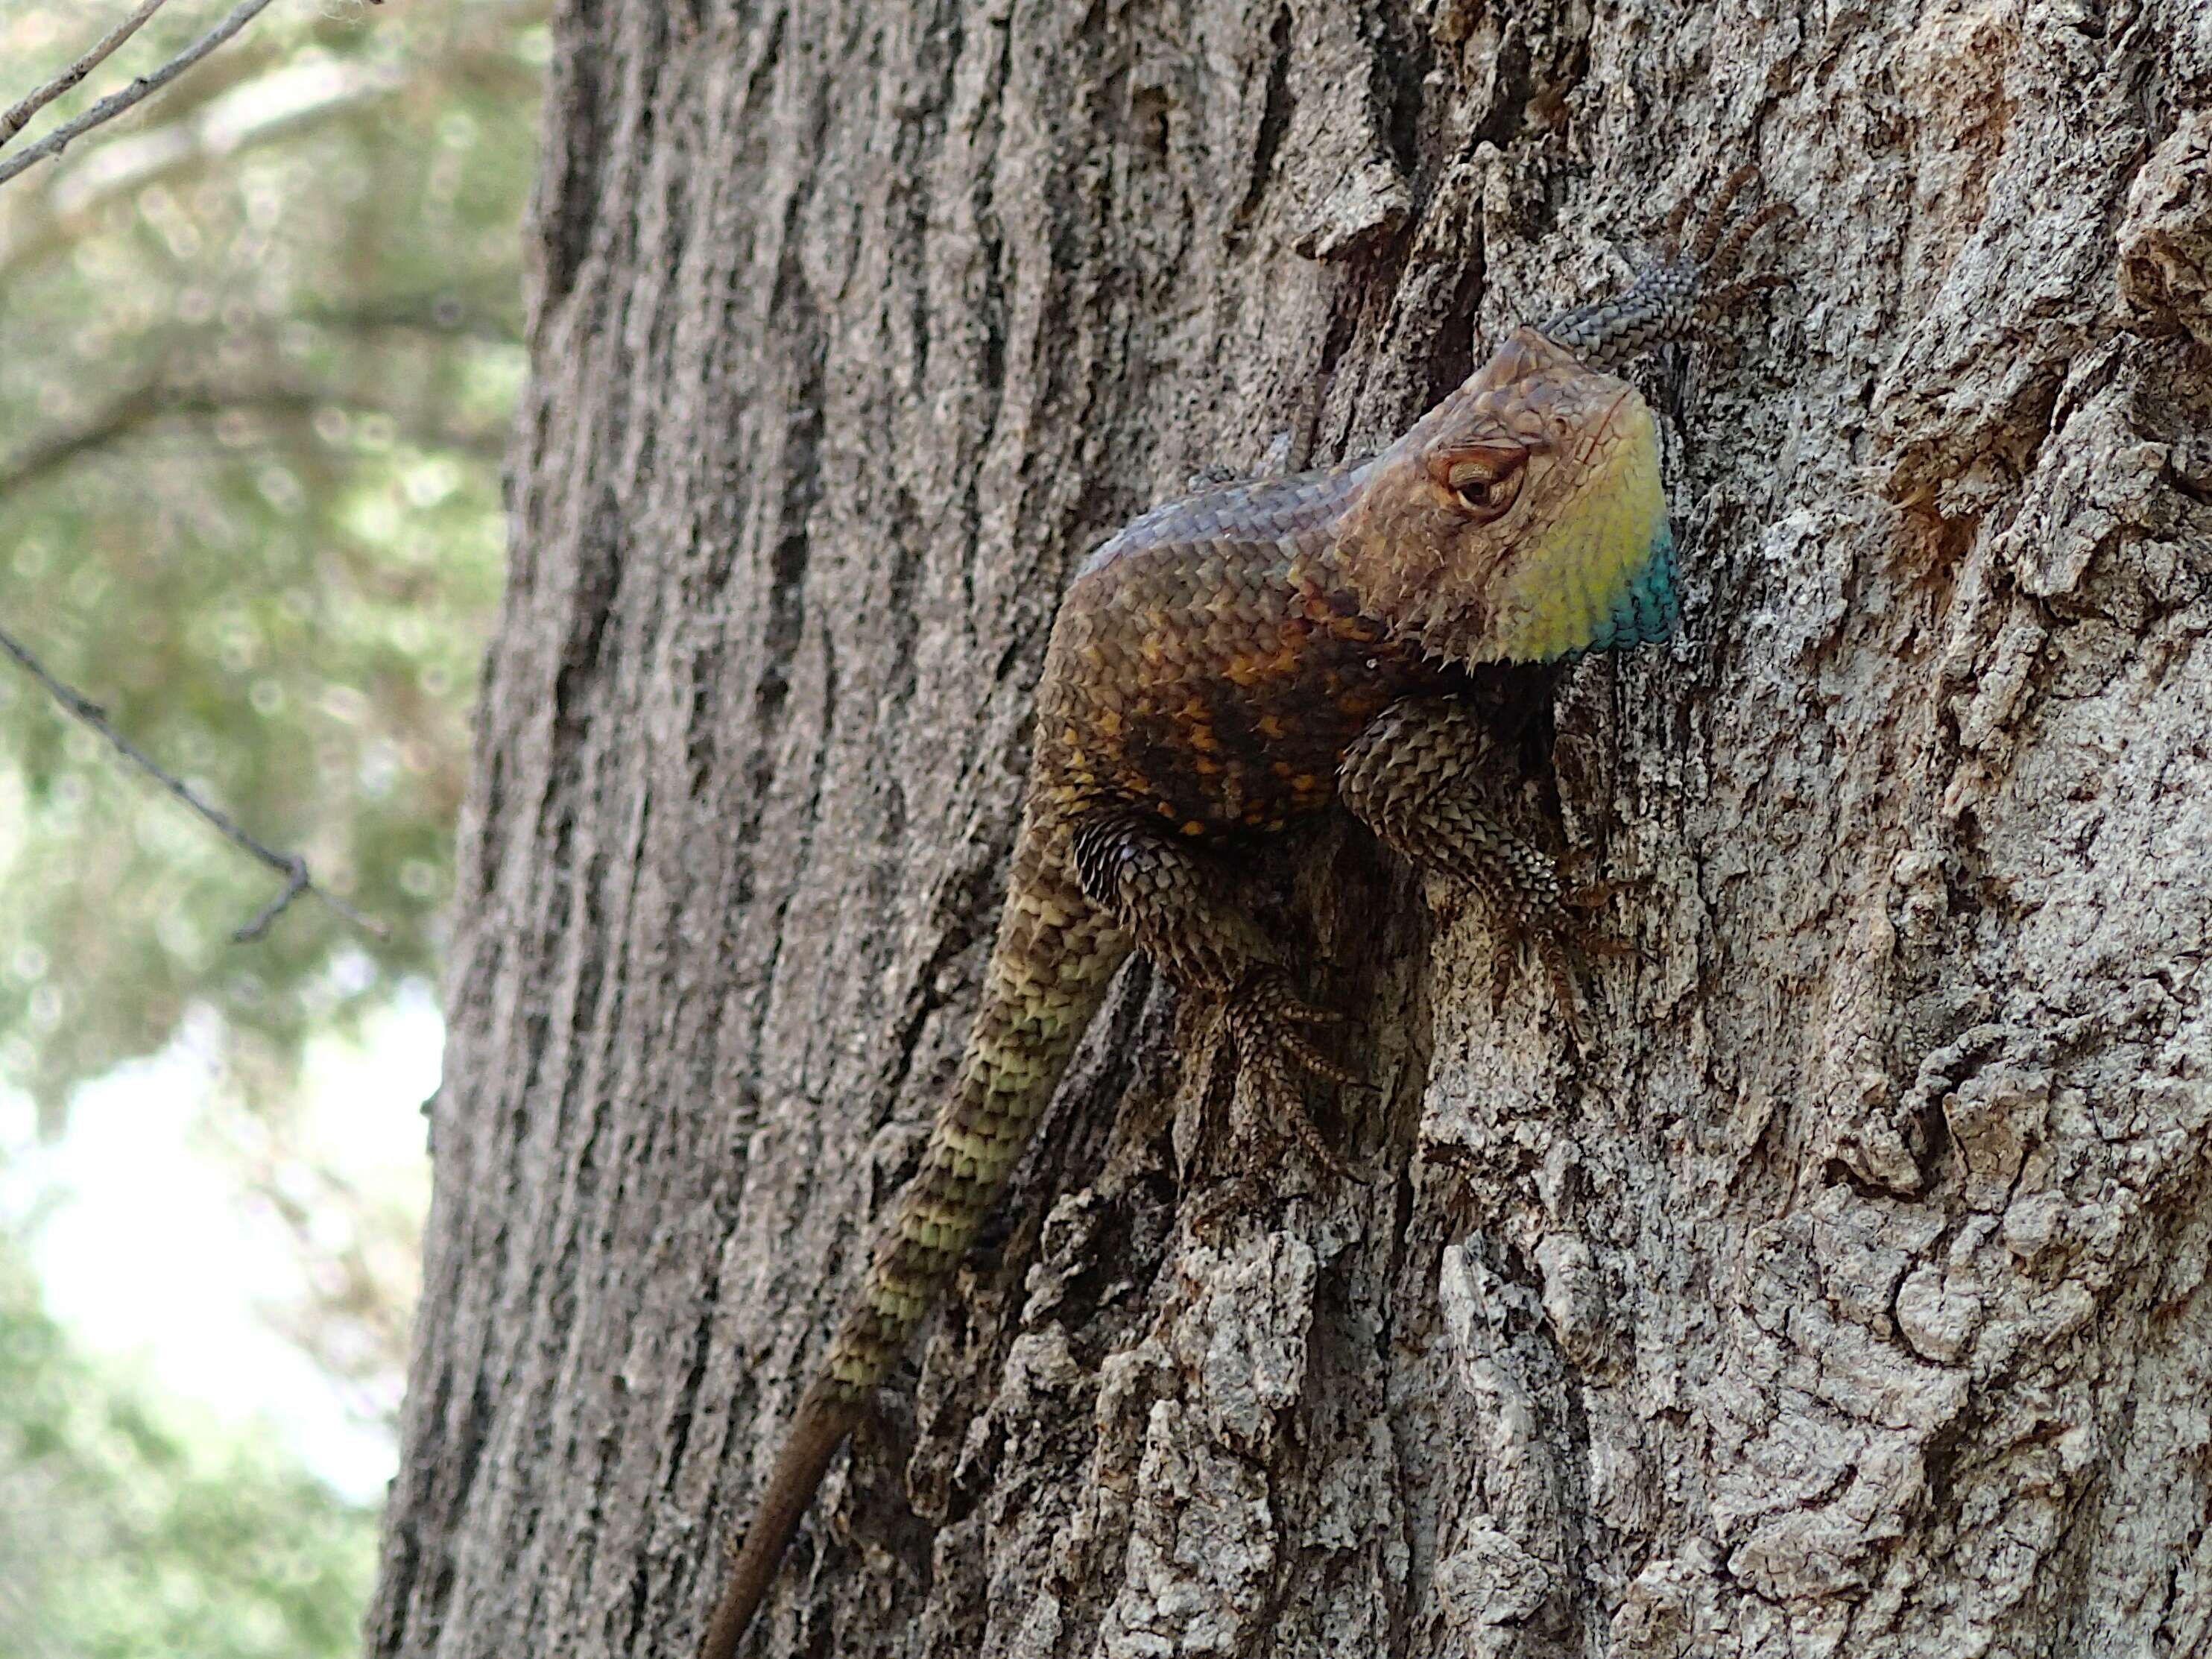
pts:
[144, 87]
[34, 460]
[438, 312]
[39, 97]
[264, 109]
[290, 865]
[144, 405]
[197, 132]
[200, 133]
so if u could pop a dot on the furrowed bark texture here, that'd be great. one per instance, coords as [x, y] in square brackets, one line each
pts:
[1848, 1296]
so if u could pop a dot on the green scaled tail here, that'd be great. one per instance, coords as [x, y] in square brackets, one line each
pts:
[1048, 973]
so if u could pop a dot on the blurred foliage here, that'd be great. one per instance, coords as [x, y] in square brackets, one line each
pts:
[259, 341]
[126, 1533]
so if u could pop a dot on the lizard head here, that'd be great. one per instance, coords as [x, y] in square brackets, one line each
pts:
[1520, 520]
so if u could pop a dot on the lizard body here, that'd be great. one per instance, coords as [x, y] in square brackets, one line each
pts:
[1235, 662]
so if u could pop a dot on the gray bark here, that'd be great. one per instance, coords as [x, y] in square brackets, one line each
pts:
[1847, 1295]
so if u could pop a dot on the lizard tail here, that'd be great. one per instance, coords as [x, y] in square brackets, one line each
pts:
[1056, 953]
[820, 1428]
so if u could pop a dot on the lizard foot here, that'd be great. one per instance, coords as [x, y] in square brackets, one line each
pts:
[1267, 1025]
[1557, 929]
[1554, 949]
[1417, 776]
[1691, 280]
[1233, 1195]
[1715, 248]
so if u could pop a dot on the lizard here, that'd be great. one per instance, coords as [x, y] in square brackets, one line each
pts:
[1245, 658]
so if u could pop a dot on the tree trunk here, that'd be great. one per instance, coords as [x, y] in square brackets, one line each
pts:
[1847, 1294]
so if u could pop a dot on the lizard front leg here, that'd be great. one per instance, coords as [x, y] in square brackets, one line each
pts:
[1178, 907]
[1423, 776]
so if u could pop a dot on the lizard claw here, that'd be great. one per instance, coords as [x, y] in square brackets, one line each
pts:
[1554, 947]
[1264, 1018]
[1715, 250]
[1227, 1196]
[1559, 933]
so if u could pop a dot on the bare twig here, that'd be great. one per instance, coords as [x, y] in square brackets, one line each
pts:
[264, 109]
[437, 312]
[290, 865]
[194, 133]
[39, 97]
[144, 87]
[141, 407]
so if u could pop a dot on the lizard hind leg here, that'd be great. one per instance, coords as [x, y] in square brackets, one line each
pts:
[1177, 907]
[1423, 776]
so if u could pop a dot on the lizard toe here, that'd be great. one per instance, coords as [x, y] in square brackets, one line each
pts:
[1264, 1016]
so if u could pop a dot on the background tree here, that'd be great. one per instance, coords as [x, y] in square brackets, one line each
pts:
[263, 343]
[129, 1528]
[1846, 1296]
[262, 338]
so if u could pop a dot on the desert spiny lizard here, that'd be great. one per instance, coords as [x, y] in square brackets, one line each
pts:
[1242, 659]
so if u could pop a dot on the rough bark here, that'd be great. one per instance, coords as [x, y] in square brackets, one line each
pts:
[1847, 1295]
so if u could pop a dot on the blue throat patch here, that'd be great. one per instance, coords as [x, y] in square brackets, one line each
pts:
[1649, 605]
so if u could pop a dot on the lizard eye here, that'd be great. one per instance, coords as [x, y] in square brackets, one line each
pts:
[1482, 482]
